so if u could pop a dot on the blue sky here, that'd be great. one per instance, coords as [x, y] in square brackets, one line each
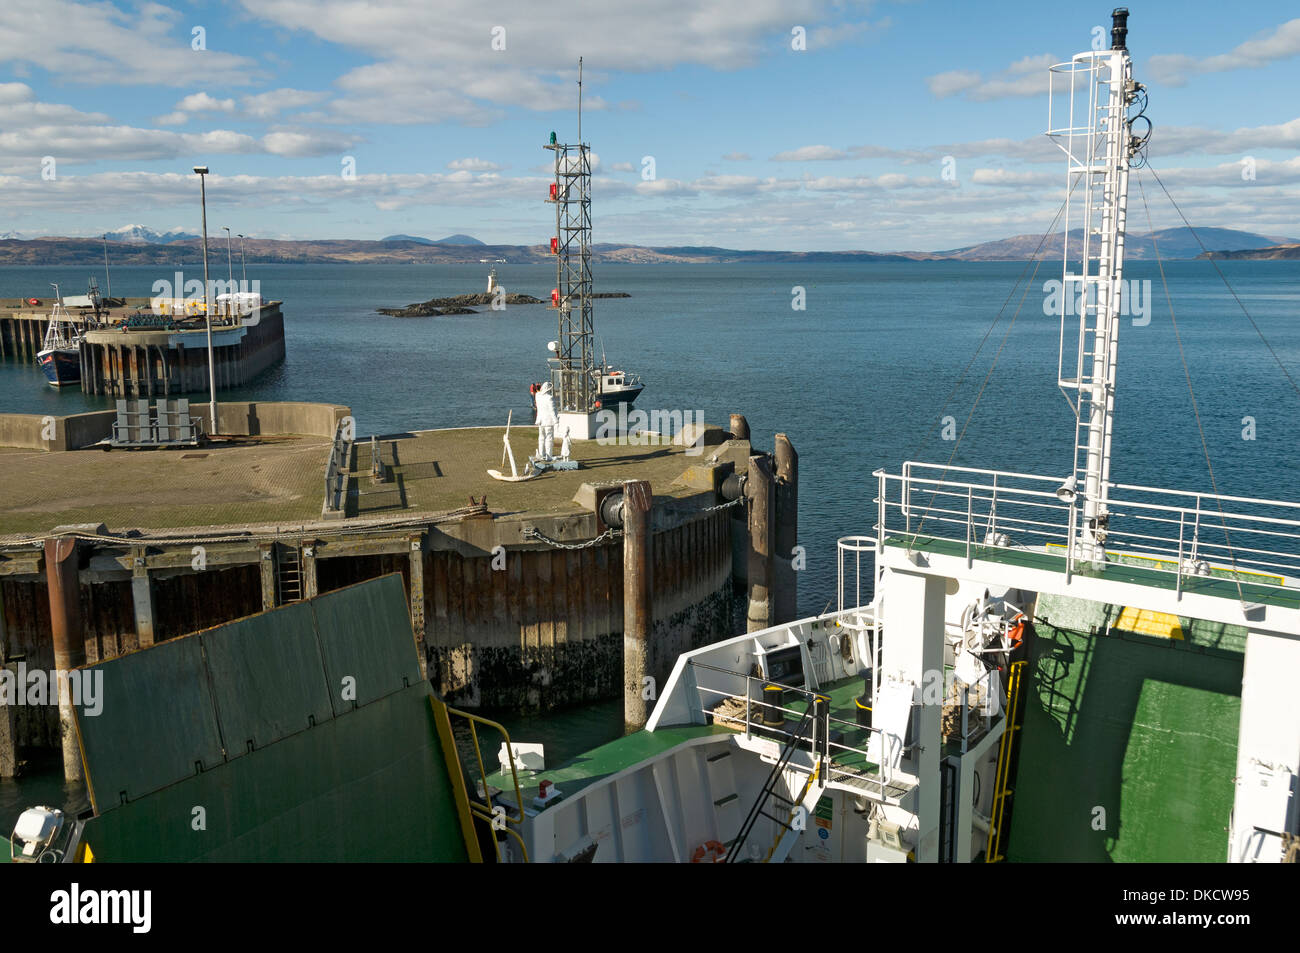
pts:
[755, 144]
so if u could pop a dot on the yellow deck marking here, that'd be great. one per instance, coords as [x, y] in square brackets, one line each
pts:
[1145, 622]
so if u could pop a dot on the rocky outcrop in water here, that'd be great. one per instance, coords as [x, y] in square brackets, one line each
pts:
[464, 304]
[456, 304]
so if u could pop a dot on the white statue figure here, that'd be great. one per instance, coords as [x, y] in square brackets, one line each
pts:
[566, 445]
[546, 421]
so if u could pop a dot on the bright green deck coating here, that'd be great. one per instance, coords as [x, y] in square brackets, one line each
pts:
[1226, 588]
[622, 753]
[1143, 728]
[842, 694]
[1129, 745]
[599, 763]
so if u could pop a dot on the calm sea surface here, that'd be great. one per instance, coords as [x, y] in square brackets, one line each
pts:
[857, 380]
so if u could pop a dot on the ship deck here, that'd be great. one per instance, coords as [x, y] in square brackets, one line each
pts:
[1221, 586]
[850, 767]
[604, 761]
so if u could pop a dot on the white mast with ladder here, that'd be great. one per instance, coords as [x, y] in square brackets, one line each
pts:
[1097, 140]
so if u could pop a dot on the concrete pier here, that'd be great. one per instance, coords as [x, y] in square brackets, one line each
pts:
[118, 360]
[510, 614]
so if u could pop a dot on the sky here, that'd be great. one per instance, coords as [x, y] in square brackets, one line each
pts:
[781, 124]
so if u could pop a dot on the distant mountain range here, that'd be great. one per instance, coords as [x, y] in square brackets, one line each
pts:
[456, 239]
[138, 245]
[1171, 242]
[140, 235]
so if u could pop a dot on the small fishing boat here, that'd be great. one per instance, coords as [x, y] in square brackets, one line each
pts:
[60, 355]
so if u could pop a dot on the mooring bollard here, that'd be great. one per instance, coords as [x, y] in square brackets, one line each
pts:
[64, 584]
[787, 530]
[638, 572]
[760, 489]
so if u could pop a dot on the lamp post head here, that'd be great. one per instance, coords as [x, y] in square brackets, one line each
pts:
[201, 169]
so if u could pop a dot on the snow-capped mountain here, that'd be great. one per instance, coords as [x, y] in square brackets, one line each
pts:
[14, 236]
[140, 235]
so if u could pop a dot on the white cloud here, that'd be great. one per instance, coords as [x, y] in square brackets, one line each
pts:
[473, 165]
[810, 154]
[1013, 179]
[1191, 140]
[435, 62]
[1025, 77]
[203, 103]
[737, 157]
[1283, 42]
[298, 144]
[273, 102]
[104, 44]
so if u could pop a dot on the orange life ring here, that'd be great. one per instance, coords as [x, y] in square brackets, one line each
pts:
[709, 847]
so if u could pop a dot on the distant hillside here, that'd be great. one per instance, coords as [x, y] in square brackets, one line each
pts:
[1172, 243]
[396, 249]
[138, 249]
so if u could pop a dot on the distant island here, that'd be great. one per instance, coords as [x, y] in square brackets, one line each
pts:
[1287, 252]
[464, 304]
[170, 249]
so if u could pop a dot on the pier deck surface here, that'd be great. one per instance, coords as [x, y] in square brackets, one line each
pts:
[279, 480]
[438, 470]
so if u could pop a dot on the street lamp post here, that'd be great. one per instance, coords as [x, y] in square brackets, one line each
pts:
[243, 265]
[230, 270]
[202, 171]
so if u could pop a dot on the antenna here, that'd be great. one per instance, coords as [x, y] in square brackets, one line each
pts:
[573, 367]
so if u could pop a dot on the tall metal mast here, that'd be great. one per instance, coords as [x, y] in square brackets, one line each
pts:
[1098, 142]
[573, 371]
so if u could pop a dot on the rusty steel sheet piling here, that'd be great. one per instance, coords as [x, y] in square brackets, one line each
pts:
[786, 608]
[638, 577]
[62, 579]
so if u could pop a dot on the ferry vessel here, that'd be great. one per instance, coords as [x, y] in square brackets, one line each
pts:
[1040, 667]
[1020, 666]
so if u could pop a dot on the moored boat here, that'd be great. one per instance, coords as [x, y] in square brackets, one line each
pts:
[60, 356]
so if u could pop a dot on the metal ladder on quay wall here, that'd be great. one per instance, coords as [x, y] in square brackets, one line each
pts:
[288, 576]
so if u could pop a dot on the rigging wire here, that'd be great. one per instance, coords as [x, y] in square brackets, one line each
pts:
[1187, 374]
[969, 364]
[1037, 262]
[1224, 279]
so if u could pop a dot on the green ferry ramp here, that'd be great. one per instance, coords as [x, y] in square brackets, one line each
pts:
[306, 733]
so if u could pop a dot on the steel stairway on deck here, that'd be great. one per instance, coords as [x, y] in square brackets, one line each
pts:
[816, 716]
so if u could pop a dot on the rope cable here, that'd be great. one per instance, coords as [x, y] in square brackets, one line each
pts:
[1187, 374]
[1037, 263]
